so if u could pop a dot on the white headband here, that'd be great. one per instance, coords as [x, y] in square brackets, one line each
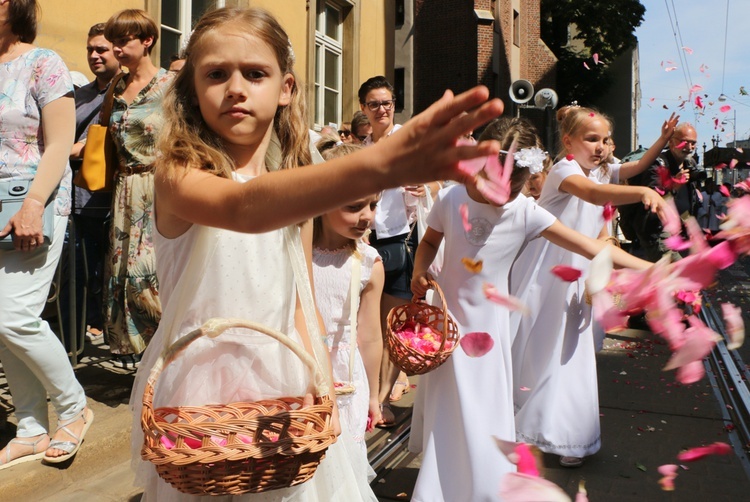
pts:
[532, 158]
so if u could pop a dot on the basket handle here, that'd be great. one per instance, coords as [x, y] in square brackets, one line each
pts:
[432, 284]
[214, 327]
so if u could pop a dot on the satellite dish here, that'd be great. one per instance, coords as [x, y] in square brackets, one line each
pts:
[521, 91]
[545, 98]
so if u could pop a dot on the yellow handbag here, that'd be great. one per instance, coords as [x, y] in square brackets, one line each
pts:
[99, 155]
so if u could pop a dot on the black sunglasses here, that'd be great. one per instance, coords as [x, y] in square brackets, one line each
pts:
[345, 132]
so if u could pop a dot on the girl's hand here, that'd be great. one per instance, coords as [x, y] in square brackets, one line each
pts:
[26, 226]
[424, 149]
[654, 202]
[667, 129]
[416, 190]
[419, 285]
[373, 415]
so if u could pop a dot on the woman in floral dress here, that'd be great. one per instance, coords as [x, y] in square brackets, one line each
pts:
[132, 306]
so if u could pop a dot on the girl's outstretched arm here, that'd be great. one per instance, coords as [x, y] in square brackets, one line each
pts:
[426, 252]
[574, 241]
[630, 169]
[617, 195]
[423, 150]
[369, 336]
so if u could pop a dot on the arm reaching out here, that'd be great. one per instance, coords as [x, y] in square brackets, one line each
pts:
[426, 252]
[630, 169]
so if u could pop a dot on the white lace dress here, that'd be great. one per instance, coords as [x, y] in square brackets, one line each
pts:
[332, 271]
[208, 273]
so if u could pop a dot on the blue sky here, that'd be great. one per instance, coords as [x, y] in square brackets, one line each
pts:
[702, 26]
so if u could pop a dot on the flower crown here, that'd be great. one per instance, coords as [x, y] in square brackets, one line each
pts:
[532, 158]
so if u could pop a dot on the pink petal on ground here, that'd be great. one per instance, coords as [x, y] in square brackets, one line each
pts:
[507, 301]
[586, 65]
[570, 156]
[608, 212]
[669, 471]
[595, 57]
[463, 209]
[735, 325]
[725, 108]
[476, 344]
[724, 191]
[517, 487]
[732, 164]
[566, 273]
[687, 50]
[700, 452]
[670, 68]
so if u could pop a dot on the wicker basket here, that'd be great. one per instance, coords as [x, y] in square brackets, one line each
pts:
[408, 359]
[244, 447]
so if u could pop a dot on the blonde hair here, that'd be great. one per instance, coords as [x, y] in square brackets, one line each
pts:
[505, 130]
[570, 119]
[330, 154]
[186, 139]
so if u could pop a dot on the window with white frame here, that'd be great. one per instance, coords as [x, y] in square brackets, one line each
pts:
[329, 33]
[177, 20]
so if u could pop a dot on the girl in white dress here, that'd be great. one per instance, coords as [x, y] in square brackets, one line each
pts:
[340, 256]
[466, 401]
[232, 117]
[554, 366]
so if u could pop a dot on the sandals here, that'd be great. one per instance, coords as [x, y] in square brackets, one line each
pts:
[395, 395]
[34, 455]
[571, 461]
[388, 418]
[70, 447]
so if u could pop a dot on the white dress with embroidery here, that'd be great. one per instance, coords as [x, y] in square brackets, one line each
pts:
[332, 271]
[208, 272]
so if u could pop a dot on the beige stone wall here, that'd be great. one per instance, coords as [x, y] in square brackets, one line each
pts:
[64, 25]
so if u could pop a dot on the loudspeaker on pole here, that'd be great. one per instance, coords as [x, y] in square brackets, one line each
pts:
[521, 91]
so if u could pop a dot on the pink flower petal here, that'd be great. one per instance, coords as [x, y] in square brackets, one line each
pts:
[699, 102]
[687, 50]
[517, 487]
[659, 191]
[470, 166]
[463, 209]
[595, 57]
[725, 108]
[735, 325]
[700, 452]
[724, 190]
[681, 145]
[732, 164]
[566, 273]
[672, 222]
[507, 301]
[720, 165]
[476, 344]
[676, 243]
[690, 373]
[699, 340]
[669, 473]
[670, 68]
[586, 65]
[496, 186]
[570, 156]
[696, 88]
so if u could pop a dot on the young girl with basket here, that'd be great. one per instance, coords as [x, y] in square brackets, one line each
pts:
[466, 401]
[553, 349]
[228, 209]
[348, 278]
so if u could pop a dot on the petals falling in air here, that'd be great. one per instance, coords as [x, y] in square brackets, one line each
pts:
[725, 108]
[570, 156]
[473, 266]
[507, 301]
[669, 473]
[566, 273]
[724, 190]
[476, 344]
[700, 452]
[687, 50]
[585, 65]
[463, 209]
[470, 166]
[595, 57]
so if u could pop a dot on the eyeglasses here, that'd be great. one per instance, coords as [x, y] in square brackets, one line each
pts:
[387, 105]
[345, 132]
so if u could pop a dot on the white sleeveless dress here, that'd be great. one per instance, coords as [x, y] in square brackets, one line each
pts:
[554, 361]
[245, 276]
[332, 272]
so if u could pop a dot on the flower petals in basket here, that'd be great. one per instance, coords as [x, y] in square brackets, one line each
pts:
[236, 448]
[420, 337]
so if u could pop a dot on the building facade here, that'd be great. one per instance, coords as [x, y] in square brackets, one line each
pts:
[337, 43]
